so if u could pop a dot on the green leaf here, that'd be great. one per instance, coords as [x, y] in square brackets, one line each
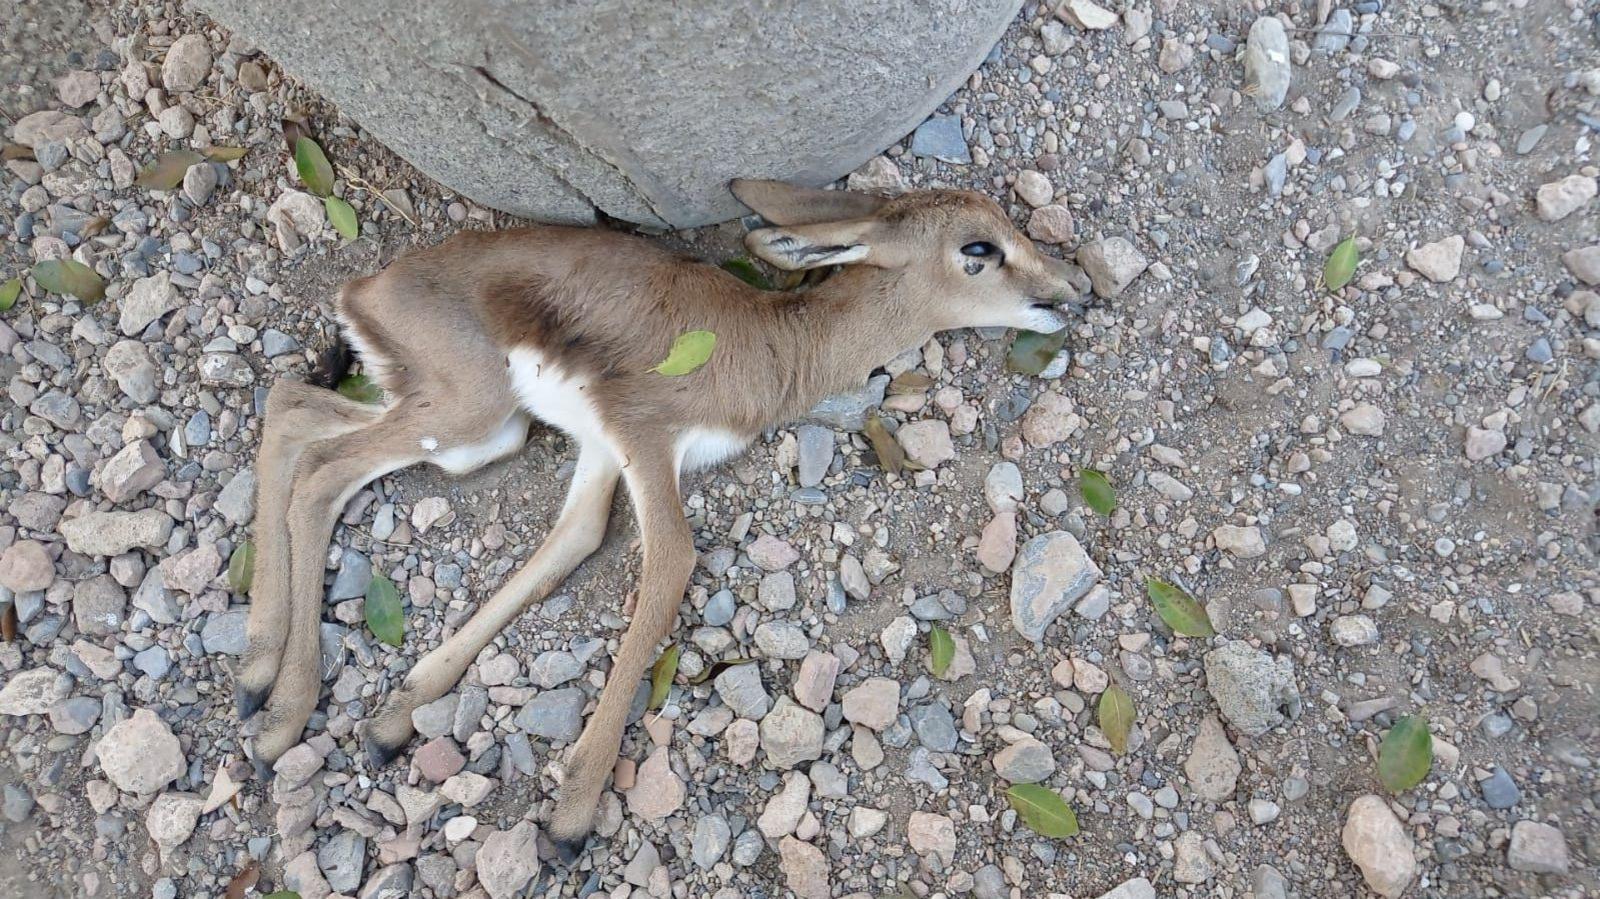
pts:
[343, 217]
[891, 455]
[1341, 264]
[360, 388]
[1179, 610]
[226, 154]
[242, 567]
[313, 167]
[942, 650]
[746, 271]
[282, 894]
[691, 350]
[661, 676]
[69, 277]
[1116, 717]
[1096, 491]
[1043, 810]
[9, 292]
[1032, 351]
[168, 169]
[717, 668]
[385, 618]
[1406, 754]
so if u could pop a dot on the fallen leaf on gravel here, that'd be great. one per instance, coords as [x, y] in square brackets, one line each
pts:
[1179, 610]
[1043, 810]
[1406, 754]
[168, 169]
[69, 277]
[661, 676]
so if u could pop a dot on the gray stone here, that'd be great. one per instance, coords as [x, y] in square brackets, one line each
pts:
[187, 64]
[1267, 68]
[1334, 35]
[816, 453]
[128, 363]
[934, 726]
[133, 470]
[1538, 849]
[114, 533]
[148, 299]
[32, 692]
[1137, 888]
[555, 715]
[276, 343]
[1254, 691]
[535, 123]
[198, 183]
[1213, 766]
[1499, 790]
[791, 734]
[237, 499]
[552, 669]
[224, 632]
[1025, 761]
[848, 411]
[781, 640]
[389, 882]
[1111, 263]
[74, 715]
[719, 609]
[940, 138]
[741, 690]
[710, 841]
[18, 804]
[508, 860]
[355, 573]
[1378, 844]
[153, 661]
[342, 860]
[140, 754]
[1050, 573]
[99, 606]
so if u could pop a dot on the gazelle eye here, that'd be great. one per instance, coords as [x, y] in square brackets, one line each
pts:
[980, 248]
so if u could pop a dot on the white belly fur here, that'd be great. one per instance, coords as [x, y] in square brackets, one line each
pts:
[561, 400]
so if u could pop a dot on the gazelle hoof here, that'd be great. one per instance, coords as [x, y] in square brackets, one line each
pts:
[247, 702]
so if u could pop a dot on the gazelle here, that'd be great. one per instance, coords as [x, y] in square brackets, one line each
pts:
[473, 338]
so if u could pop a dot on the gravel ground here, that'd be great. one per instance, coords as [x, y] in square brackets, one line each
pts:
[1385, 496]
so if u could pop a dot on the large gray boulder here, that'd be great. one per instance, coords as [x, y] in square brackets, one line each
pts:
[642, 110]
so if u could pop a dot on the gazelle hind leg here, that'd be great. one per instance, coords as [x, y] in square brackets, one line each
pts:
[297, 415]
[577, 533]
[328, 474]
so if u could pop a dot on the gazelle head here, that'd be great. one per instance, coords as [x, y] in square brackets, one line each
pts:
[953, 253]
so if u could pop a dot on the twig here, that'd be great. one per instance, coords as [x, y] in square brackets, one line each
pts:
[364, 184]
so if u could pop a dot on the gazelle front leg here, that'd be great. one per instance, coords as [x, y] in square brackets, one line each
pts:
[576, 534]
[668, 562]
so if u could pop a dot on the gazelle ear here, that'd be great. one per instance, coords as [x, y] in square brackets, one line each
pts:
[811, 246]
[786, 204]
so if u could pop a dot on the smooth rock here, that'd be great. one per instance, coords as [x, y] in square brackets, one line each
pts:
[1439, 261]
[1051, 572]
[1111, 263]
[1378, 844]
[1267, 67]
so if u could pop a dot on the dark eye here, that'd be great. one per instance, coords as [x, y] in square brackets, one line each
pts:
[980, 248]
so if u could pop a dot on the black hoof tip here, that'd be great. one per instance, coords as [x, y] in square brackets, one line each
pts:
[569, 851]
[263, 768]
[247, 702]
[380, 753]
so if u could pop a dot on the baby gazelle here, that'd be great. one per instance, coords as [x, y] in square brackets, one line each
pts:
[472, 338]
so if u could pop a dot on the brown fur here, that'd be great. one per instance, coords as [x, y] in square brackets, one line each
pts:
[436, 327]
